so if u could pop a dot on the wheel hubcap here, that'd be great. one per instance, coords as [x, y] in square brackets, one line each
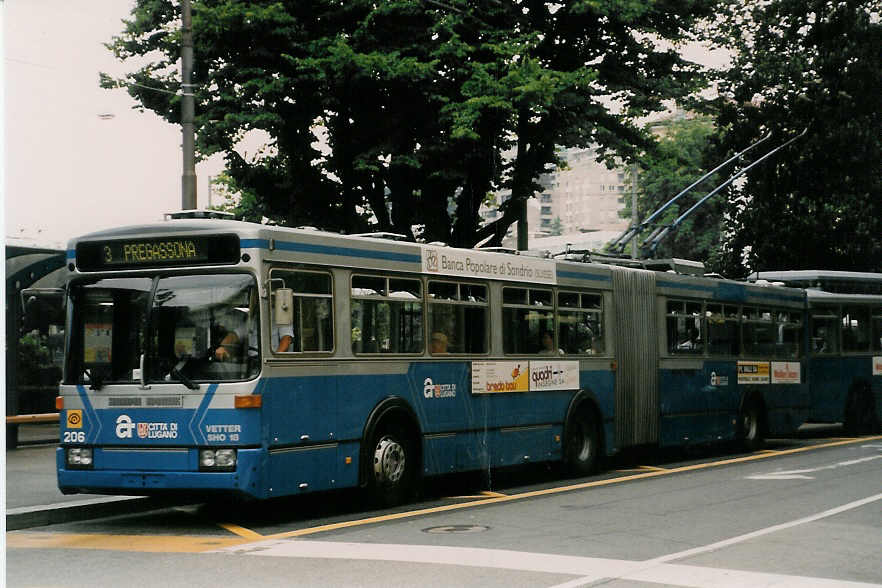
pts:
[749, 424]
[580, 444]
[389, 461]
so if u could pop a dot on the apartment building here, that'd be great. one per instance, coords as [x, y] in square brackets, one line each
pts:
[584, 197]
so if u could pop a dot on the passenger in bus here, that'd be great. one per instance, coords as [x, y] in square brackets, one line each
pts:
[438, 343]
[283, 337]
[691, 341]
[819, 341]
[548, 347]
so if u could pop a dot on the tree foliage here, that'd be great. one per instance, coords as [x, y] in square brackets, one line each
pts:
[681, 158]
[805, 64]
[425, 105]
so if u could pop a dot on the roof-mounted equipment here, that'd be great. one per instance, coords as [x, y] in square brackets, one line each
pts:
[199, 213]
[499, 250]
[619, 244]
[383, 235]
[651, 243]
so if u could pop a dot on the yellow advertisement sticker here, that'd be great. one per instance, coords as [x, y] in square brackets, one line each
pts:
[75, 419]
[753, 372]
[489, 377]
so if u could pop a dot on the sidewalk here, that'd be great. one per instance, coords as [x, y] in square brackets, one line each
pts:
[32, 495]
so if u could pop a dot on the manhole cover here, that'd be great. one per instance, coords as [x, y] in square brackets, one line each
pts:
[456, 529]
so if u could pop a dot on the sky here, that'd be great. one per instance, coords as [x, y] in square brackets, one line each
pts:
[78, 158]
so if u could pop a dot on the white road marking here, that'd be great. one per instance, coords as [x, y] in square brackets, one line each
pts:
[768, 530]
[701, 577]
[589, 569]
[801, 474]
[795, 475]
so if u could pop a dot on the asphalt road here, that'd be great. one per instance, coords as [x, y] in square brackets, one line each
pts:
[803, 513]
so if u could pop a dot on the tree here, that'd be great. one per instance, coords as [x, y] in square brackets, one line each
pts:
[681, 158]
[419, 100]
[811, 65]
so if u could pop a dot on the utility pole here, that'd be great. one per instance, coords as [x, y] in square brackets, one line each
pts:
[523, 230]
[635, 220]
[188, 177]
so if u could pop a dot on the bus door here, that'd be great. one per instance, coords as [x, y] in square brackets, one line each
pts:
[825, 371]
[636, 339]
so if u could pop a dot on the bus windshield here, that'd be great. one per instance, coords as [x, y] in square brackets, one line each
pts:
[175, 328]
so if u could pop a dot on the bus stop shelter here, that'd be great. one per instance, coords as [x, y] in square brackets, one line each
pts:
[33, 350]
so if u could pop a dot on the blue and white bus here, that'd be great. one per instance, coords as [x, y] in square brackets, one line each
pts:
[215, 355]
[844, 350]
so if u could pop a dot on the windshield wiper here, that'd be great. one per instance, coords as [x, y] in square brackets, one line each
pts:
[177, 373]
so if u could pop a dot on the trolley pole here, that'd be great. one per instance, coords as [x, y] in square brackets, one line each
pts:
[188, 178]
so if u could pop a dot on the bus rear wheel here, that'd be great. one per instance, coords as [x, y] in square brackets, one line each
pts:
[581, 444]
[393, 471]
[750, 423]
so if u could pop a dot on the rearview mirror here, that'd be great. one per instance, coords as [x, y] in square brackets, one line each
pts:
[283, 311]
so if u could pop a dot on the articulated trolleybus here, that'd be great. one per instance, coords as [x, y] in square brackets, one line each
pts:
[215, 355]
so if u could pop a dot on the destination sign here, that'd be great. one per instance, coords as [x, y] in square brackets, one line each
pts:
[157, 252]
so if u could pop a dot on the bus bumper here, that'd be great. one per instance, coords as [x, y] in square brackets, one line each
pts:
[159, 479]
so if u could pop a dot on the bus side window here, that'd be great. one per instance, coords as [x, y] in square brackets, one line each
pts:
[789, 343]
[457, 316]
[387, 315]
[855, 329]
[301, 308]
[825, 331]
[683, 328]
[580, 323]
[722, 329]
[526, 314]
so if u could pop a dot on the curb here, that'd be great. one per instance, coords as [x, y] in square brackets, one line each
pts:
[66, 512]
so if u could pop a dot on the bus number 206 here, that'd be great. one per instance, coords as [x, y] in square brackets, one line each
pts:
[74, 437]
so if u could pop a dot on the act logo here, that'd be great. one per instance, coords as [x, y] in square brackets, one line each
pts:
[124, 426]
[432, 390]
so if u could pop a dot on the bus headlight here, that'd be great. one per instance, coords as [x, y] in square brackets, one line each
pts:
[217, 459]
[79, 457]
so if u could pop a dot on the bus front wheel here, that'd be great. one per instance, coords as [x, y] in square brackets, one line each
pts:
[582, 444]
[394, 467]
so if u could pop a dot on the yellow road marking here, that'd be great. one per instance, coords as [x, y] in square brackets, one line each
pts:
[483, 494]
[652, 469]
[199, 544]
[241, 531]
[549, 491]
[144, 543]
